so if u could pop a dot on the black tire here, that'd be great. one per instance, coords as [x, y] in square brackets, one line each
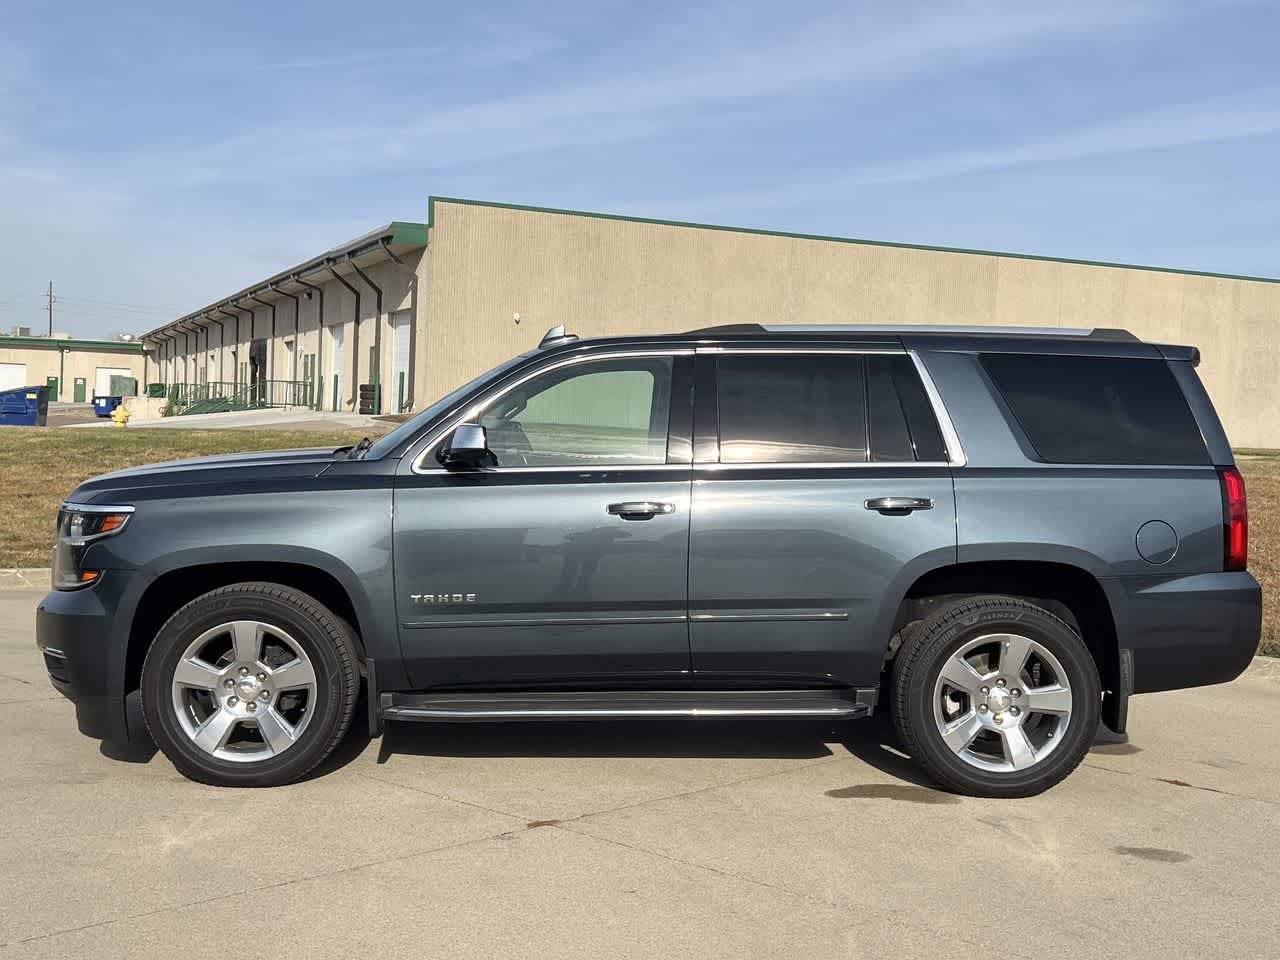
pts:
[328, 641]
[928, 648]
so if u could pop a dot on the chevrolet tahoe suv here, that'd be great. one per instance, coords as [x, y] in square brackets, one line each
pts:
[997, 534]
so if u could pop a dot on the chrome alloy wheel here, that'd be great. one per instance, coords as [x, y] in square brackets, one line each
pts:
[1002, 702]
[244, 691]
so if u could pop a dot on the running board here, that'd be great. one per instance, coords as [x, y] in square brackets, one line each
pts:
[625, 704]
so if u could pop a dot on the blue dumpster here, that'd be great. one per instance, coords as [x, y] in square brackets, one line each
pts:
[105, 406]
[24, 406]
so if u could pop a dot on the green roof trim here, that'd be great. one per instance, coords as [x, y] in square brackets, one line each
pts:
[431, 219]
[410, 234]
[73, 343]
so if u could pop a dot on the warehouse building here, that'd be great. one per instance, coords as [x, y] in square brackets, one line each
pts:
[74, 370]
[412, 310]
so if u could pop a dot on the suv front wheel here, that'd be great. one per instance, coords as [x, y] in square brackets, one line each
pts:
[996, 697]
[250, 685]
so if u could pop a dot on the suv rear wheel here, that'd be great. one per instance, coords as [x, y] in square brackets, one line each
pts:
[996, 697]
[250, 685]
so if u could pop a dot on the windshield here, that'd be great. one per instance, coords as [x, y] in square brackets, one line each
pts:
[389, 441]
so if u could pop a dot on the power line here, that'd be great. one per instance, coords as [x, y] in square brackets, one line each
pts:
[105, 304]
[110, 312]
[114, 303]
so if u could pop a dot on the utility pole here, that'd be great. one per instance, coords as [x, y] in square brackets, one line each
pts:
[51, 308]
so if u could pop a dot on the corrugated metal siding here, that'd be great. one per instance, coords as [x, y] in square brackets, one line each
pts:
[601, 276]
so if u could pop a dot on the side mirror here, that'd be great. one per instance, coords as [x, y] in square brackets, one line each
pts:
[468, 449]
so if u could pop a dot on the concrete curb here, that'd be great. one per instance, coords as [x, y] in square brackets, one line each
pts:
[24, 578]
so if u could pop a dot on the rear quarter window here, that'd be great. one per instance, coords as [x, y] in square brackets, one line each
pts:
[1098, 409]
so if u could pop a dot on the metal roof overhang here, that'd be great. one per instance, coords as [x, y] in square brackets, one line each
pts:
[389, 242]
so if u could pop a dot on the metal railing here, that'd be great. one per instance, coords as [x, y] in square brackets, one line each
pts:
[217, 396]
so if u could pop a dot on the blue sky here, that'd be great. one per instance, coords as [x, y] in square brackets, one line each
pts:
[156, 156]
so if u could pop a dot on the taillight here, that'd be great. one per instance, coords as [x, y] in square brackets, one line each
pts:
[1235, 516]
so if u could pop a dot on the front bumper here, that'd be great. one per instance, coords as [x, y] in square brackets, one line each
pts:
[1187, 631]
[84, 645]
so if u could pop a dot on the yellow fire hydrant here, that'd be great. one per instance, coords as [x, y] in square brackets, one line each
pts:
[120, 416]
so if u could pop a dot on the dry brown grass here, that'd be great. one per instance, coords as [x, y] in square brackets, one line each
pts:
[41, 465]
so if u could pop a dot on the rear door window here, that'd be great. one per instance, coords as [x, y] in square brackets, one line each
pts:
[782, 408]
[1098, 409]
[824, 408]
[900, 419]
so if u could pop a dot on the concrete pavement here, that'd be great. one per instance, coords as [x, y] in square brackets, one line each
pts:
[660, 839]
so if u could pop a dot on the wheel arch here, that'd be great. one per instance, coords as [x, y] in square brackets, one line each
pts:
[180, 584]
[1068, 591]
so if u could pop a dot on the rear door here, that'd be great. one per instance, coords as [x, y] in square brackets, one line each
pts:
[822, 487]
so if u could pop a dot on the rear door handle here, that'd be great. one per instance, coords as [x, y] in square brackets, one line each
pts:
[640, 509]
[898, 506]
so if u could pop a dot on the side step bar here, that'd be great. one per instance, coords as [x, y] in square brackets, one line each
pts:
[623, 704]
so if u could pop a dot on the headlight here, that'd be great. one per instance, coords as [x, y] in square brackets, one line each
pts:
[78, 526]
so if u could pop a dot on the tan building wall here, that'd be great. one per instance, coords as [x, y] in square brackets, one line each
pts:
[607, 275]
[70, 359]
[484, 264]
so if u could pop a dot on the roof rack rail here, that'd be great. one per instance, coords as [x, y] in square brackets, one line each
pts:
[732, 328]
[1095, 333]
[1112, 333]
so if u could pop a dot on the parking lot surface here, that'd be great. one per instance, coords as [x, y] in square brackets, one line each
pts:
[701, 838]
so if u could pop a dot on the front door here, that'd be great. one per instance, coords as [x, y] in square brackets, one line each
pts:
[793, 554]
[531, 572]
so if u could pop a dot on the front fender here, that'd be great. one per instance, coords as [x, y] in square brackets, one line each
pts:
[346, 533]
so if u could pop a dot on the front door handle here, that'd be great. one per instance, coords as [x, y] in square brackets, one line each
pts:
[640, 509]
[898, 506]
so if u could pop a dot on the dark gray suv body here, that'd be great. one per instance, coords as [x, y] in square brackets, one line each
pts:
[999, 535]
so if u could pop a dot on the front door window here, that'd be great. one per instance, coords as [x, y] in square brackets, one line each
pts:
[598, 413]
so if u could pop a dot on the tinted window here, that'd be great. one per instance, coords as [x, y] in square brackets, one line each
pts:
[1098, 409]
[899, 415]
[791, 409]
[602, 413]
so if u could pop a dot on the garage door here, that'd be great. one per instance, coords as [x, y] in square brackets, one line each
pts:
[13, 375]
[102, 379]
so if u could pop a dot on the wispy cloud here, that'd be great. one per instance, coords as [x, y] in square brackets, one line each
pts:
[1236, 117]
[1253, 113]
[481, 53]
[836, 52]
